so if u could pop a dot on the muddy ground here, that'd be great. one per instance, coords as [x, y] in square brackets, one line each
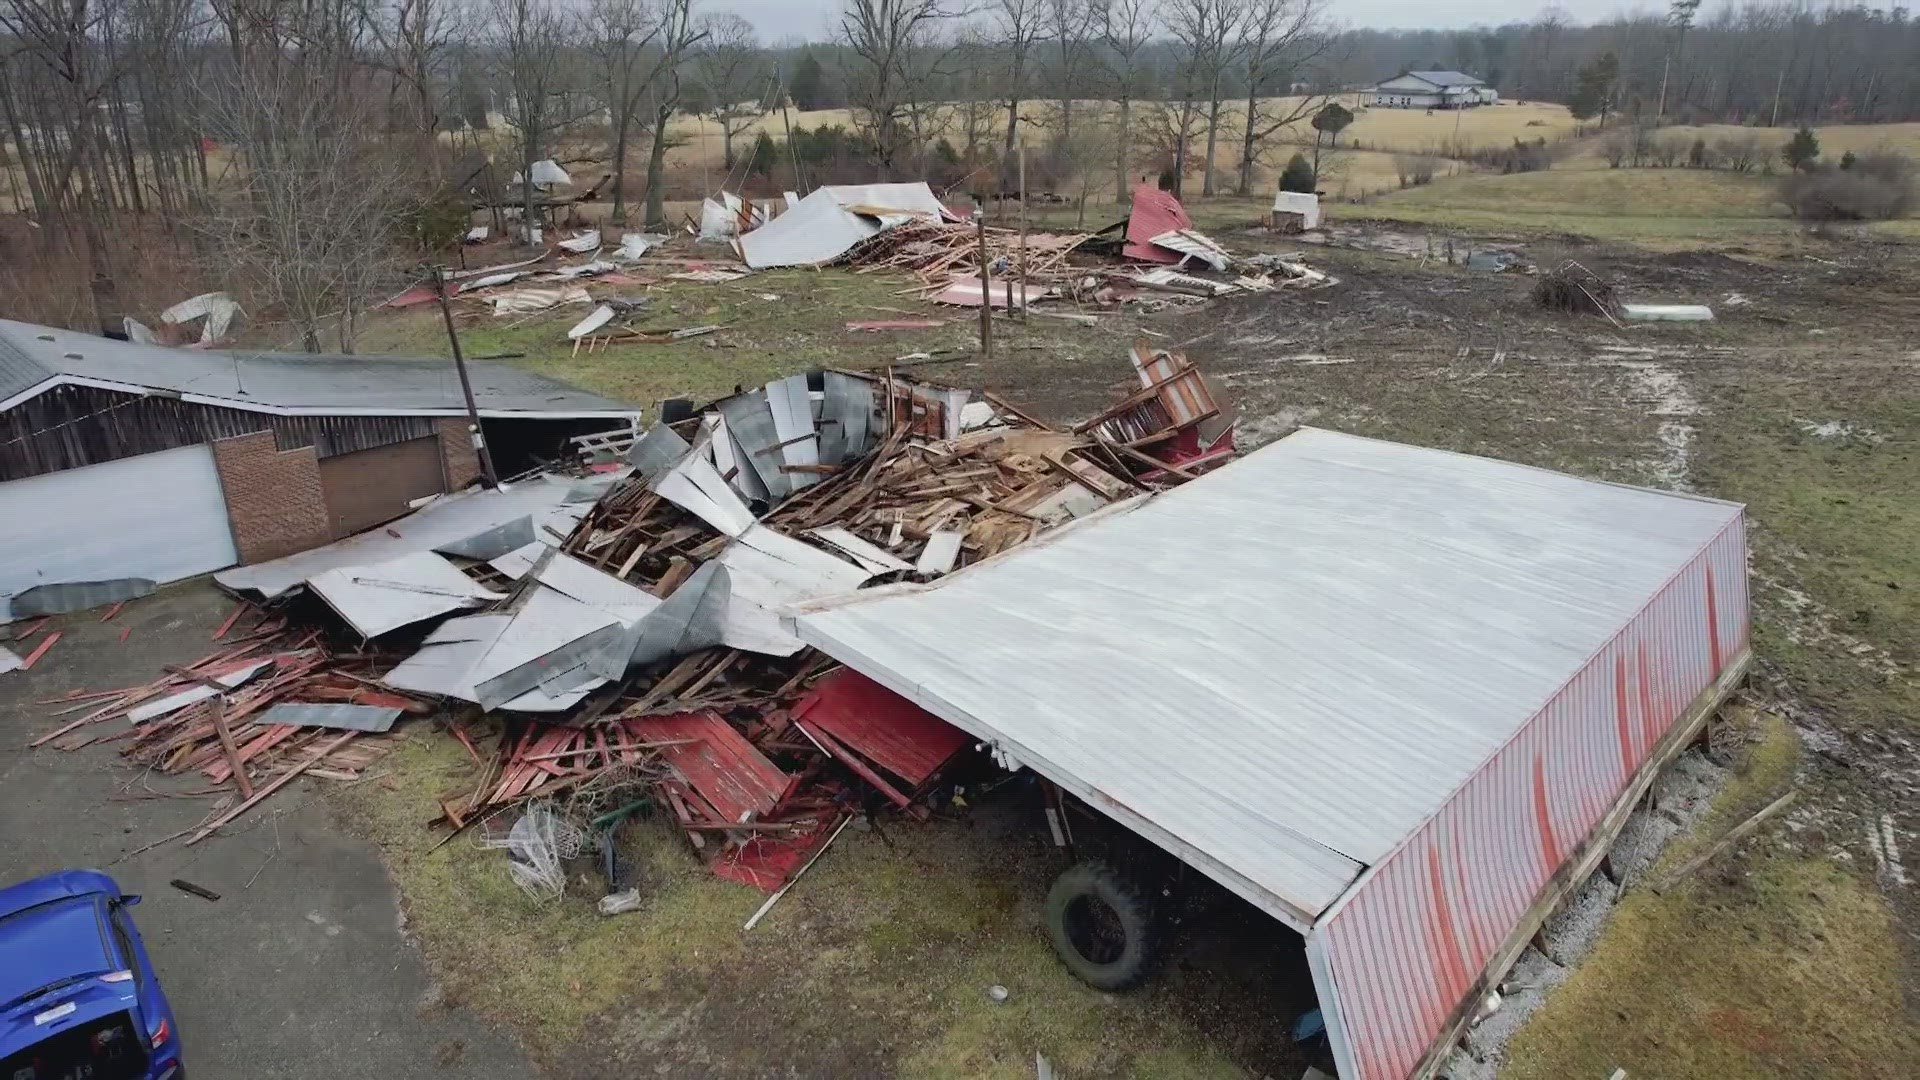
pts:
[1793, 956]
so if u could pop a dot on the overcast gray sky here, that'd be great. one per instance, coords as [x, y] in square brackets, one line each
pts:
[777, 19]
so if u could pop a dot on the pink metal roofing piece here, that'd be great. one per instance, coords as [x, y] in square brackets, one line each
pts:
[1154, 212]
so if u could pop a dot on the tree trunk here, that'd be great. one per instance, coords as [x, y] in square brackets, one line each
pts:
[528, 212]
[1120, 150]
[1213, 141]
[1180, 149]
[726, 145]
[1013, 132]
[1246, 145]
[41, 208]
[620, 124]
[656, 163]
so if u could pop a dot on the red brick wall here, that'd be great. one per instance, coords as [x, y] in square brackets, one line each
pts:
[462, 462]
[274, 501]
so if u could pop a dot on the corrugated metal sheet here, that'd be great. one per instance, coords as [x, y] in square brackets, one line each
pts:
[1281, 670]
[1403, 949]
[446, 524]
[18, 370]
[390, 384]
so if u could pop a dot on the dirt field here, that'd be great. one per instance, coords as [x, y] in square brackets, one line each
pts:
[1791, 955]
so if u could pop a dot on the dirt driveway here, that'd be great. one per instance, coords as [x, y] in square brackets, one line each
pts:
[303, 967]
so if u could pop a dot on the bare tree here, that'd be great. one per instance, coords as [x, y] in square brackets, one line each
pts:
[309, 229]
[1278, 40]
[679, 34]
[882, 38]
[1070, 26]
[416, 39]
[531, 41]
[1126, 26]
[1204, 45]
[732, 70]
[54, 42]
[1019, 25]
[618, 33]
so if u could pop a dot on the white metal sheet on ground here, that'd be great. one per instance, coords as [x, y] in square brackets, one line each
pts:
[596, 589]
[142, 713]
[161, 516]
[766, 571]
[694, 485]
[1280, 670]
[872, 556]
[388, 595]
[819, 229]
[793, 426]
[445, 521]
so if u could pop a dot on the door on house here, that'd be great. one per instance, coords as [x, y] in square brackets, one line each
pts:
[368, 487]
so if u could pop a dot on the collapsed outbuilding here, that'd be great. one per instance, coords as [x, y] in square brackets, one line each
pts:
[128, 461]
[1400, 699]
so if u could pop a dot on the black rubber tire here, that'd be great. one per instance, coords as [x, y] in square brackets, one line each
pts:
[1096, 885]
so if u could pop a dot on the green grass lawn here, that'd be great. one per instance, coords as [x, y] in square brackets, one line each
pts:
[1654, 208]
[774, 323]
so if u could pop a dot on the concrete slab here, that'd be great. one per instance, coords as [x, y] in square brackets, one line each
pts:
[307, 972]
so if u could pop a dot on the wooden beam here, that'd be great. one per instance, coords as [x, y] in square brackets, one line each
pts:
[279, 782]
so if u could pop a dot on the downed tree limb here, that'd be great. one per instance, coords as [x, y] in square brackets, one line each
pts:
[1733, 836]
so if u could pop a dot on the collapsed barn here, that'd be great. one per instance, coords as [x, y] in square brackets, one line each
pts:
[1399, 699]
[132, 462]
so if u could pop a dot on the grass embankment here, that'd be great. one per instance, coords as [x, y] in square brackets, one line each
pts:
[1782, 957]
[878, 963]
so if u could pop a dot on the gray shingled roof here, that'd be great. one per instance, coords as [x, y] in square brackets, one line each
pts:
[1446, 78]
[392, 385]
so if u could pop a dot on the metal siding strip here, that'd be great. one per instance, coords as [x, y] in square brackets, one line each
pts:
[1351, 953]
[1332, 995]
[1412, 1004]
[1441, 995]
[1430, 996]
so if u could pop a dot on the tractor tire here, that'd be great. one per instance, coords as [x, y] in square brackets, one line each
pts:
[1101, 927]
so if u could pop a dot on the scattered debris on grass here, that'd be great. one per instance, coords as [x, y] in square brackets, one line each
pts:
[630, 652]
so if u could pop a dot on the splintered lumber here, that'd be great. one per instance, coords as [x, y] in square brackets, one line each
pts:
[275, 785]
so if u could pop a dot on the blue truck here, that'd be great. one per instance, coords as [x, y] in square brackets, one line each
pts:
[78, 996]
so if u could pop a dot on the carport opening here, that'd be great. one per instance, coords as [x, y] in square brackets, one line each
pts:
[1229, 968]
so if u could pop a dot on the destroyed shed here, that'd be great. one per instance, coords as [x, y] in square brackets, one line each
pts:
[1398, 698]
[125, 461]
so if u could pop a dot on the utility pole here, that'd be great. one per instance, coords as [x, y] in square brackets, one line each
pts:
[487, 475]
[986, 281]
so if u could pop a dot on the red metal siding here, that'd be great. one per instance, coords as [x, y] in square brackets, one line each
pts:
[1406, 945]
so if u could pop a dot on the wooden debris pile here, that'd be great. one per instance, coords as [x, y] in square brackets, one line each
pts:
[212, 717]
[936, 251]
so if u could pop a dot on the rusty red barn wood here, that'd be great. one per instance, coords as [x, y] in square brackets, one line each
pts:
[735, 781]
[881, 726]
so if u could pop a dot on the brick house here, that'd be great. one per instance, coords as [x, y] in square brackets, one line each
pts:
[121, 460]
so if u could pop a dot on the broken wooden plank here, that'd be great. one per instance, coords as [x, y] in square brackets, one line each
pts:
[279, 782]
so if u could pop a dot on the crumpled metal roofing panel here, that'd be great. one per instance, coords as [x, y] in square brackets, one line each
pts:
[390, 385]
[1286, 666]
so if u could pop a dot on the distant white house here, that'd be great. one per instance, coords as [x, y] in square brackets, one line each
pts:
[1431, 90]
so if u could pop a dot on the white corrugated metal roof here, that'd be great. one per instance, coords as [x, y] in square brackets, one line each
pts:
[1280, 670]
